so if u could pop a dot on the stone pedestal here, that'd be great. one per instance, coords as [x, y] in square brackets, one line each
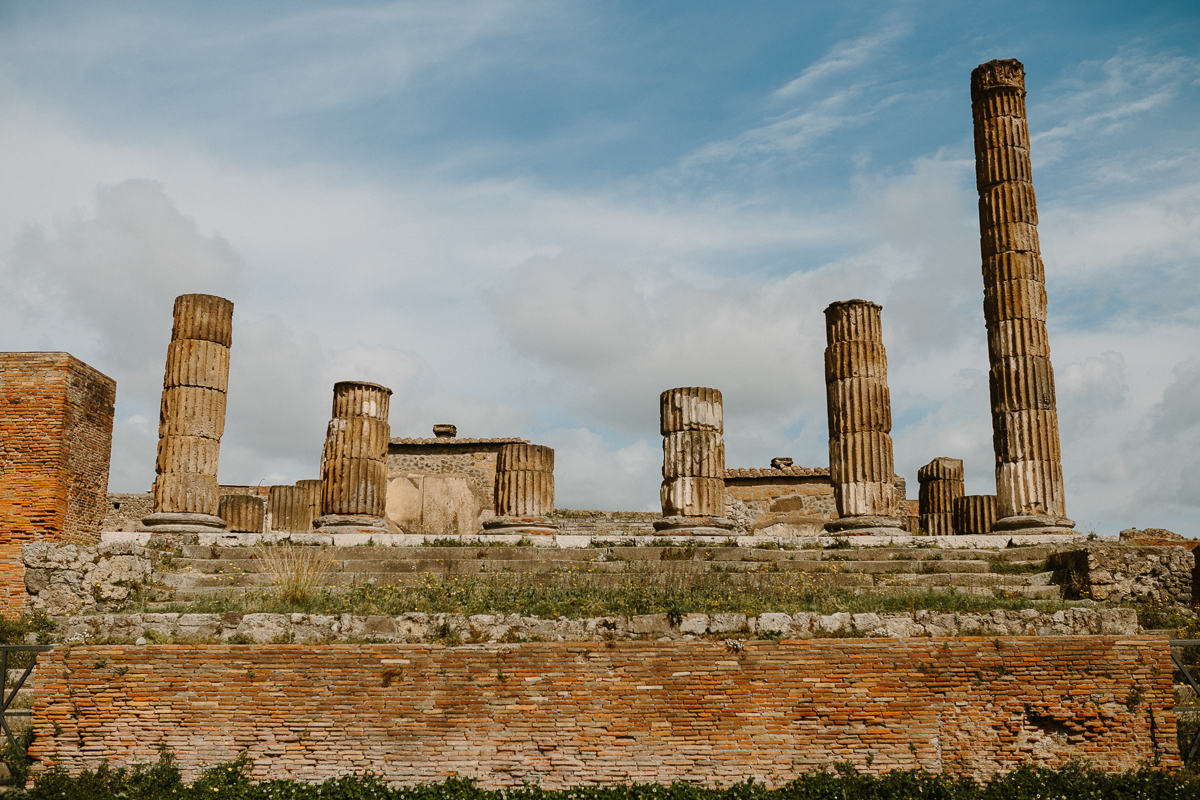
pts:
[975, 513]
[1029, 479]
[524, 490]
[243, 513]
[192, 419]
[941, 484]
[354, 462]
[691, 420]
[860, 421]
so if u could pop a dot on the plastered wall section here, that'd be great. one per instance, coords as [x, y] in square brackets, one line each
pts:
[474, 458]
[601, 712]
[56, 416]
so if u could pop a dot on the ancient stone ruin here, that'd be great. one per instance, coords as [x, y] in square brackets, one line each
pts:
[860, 420]
[941, 484]
[524, 490]
[293, 508]
[1029, 478]
[354, 462]
[975, 514]
[192, 419]
[692, 423]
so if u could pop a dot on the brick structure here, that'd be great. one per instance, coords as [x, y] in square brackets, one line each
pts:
[691, 420]
[941, 484]
[524, 490]
[860, 421]
[576, 713]
[975, 513]
[56, 416]
[354, 462]
[192, 418]
[1029, 478]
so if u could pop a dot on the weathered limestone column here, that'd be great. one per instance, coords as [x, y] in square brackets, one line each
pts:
[1029, 479]
[524, 490]
[192, 418]
[975, 513]
[354, 463]
[290, 509]
[860, 421]
[691, 420]
[243, 513]
[941, 484]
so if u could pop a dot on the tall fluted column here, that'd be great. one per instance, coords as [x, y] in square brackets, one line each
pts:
[192, 417]
[1029, 479]
[524, 490]
[941, 484]
[691, 420]
[354, 463]
[860, 421]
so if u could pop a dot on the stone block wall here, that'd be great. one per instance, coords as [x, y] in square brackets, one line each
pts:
[474, 458]
[124, 511]
[1122, 574]
[56, 416]
[782, 494]
[564, 714]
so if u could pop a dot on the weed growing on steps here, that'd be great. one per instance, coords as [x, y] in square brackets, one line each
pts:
[295, 570]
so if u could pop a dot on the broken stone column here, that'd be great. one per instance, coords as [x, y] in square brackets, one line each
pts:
[290, 509]
[691, 420]
[243, 513]
[941, 484]
[192, 418]
[524, 490]
[1029, 479]
[860, 421]
[975, 513]
[354, 463]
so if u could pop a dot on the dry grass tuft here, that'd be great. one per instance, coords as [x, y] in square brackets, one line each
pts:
[295, 570]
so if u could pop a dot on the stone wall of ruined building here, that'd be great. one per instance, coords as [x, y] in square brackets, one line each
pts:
[56, 418]
[578, 713]
[1127, 574]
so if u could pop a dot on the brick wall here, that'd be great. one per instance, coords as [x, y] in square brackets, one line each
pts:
[601, 712]
[56, 416]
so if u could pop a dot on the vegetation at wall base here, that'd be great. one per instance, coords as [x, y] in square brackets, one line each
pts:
[232, 781]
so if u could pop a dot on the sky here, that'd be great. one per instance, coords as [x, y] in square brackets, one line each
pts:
[529, 218]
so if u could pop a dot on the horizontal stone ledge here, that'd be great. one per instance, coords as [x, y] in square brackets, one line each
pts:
[459, 629]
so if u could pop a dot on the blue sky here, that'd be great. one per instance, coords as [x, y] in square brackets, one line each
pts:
[530, 218]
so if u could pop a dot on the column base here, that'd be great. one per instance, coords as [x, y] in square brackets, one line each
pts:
[181, 527]
[695, 526]
[865, 526]
[348, 523]
[1033, 523]
[539, 525]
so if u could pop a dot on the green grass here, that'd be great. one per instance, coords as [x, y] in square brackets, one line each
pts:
[232, 780]
[574, 596]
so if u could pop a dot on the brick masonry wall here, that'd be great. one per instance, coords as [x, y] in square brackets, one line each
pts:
[124, 511]
[56, 417]
[602, 712]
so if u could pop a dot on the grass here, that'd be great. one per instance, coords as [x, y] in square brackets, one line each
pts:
[575, 596]
[295, 570]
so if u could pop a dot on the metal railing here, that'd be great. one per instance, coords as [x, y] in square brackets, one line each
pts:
[1187, 676]
[9, 696]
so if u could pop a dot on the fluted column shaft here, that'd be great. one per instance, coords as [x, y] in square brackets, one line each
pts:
[691, 421]
[354, 462]
[941, 484]
[243, 513]
[524, 480]
[975, 513]
[1029, 479]
[292, 508]
[192, 414]
[860, 416]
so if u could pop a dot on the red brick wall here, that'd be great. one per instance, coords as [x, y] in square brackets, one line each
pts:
[56, 417]
[574, 713]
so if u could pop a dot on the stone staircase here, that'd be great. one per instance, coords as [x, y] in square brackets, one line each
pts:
[203, 571]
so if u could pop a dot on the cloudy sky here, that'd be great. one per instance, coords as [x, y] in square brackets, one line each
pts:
[529, 218]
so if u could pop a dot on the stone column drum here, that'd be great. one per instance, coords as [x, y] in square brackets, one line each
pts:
[1029, 478]
[243, 513]
[192, 418]
[354, 463]
[290, 509]
[691, 420]
[860, 421]
[975, 513]
[524, 490]
[941, 484]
